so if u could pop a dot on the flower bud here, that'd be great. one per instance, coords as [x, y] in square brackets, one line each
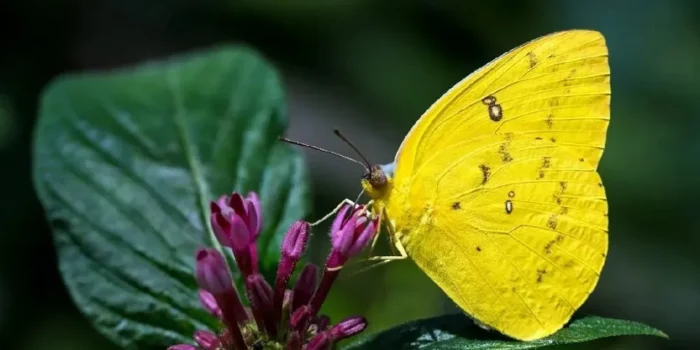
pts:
[182, 347]
[349, 235]
[260, 296]
[305, 286]
[293, 248]
[294, 243]
[237, 222]
[209, 303]
[301, 317]
[254, 211]
[212, 276]
[321, 341]
[230, 229]
[206, 340]
[212, 272]
[348, 327]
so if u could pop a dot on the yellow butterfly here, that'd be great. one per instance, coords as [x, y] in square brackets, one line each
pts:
[494, 192]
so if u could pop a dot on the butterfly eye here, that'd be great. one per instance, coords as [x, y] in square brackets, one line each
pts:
[377, 177]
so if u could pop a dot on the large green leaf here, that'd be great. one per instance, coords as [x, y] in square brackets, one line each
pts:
[459, 332]
[125, 165]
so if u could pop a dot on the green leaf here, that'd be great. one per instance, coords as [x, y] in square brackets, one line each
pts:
[459, 332]
[125, 164]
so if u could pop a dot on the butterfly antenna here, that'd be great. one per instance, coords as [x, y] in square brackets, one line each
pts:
[284, 139]
[337, 133]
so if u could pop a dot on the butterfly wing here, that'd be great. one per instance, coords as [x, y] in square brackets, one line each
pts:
[496, 194]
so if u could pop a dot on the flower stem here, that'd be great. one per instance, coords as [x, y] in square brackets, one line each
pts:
[333, 266]
[229, 308]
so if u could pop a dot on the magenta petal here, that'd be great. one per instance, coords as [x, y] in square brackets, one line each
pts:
[214, 207]
[339, 220]
[301, 317]
[212, 272]
[348, 327]
[253, 251]
[240, 235]
[363, 238]
[252, 221]
[237, 203]
[260, 296]
[343, 238]
[294, 242]
[182, 347]
[222, 202]
[305, 286]
[209, 303]
[207, 340]
[221, 228]
[321, 341]
[254, 211]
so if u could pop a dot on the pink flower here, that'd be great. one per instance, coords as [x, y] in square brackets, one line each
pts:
[351, 231]
[237, 222]
[350, 235]
[288, 317]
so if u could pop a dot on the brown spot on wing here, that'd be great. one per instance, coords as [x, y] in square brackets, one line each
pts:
[550, 120]
[509, 206]
[486, 172]
[552, 222]
[478, 249]
[511, 194]
[550, 244]
[532, 58]
[505, 156]
[489, 100]
[540, 274]
[456, 205]
[567, 81]
[495, 112]
[563, 185]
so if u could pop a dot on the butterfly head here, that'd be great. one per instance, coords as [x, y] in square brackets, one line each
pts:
[376, 181]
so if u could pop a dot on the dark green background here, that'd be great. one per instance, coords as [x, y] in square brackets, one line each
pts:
[371, 68]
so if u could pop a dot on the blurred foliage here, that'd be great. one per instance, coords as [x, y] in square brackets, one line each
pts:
[371, 68]
[125, 165]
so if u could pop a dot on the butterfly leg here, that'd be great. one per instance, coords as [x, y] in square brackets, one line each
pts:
[376, 236]
[382, 260]
[334, 211]
[399, 248]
